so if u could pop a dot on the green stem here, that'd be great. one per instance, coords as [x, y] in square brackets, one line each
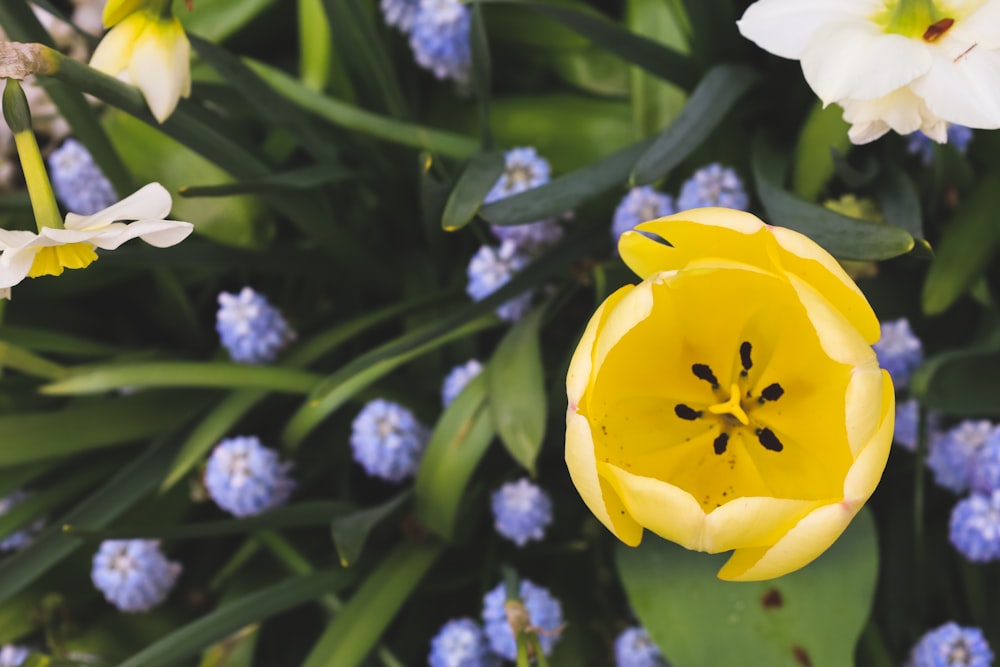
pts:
[18, 117]
[874, 646]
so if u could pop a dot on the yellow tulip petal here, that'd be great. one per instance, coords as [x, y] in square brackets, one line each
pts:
[597, 494]
[800, 546]
[753, 522]
[580, 366]
[867, 470]
[865, 405]
[634, 307]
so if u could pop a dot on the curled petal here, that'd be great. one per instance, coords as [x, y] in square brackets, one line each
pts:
[158, 233]
[867, 469]
[160, 66]
[149, 202]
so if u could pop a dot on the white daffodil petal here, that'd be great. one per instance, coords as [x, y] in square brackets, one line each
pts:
[113, 53]
[853, 60]
[15, 239]
[785, 27]
[964, 91]
[14, 266]
[902, 111]
[158, 233]
[982, 27]
[160, 67]
[151, 201]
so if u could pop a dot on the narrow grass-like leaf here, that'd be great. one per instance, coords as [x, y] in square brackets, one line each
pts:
[636, 49]
[357, 119]
[184, 374]
[132, 483]
[963, 383]
[93, 424]
[298, 179]
[314, 513]
[477, 179]
[41, 340]
[232, 408]
[354, 632]
[219, 19]
[18, 477]
[842, 236]
[717, 92]
[459, 441]
[568, 191]
[188, 640]
[482, 75]
[516, 385]
[350, 530]
[20, 359]
[967, 245]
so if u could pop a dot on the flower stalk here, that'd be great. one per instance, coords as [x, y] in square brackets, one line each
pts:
[18, 117]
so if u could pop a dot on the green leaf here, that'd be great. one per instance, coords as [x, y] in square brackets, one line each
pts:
[516, 384]
[842, 236]
[93, 424]
[476, 180]
[967, 245]
[482, 78]
[823, 132]
[355, 631]
[963, 383]
[717, 92]
[460, 440]
[219, 19]
[215, 626]
[41, 340]
[900, 204]
[810, 617]
[20, 359]
[350, 530]
[298, 179]
[656, 103]
[651, 56]
[220, 374]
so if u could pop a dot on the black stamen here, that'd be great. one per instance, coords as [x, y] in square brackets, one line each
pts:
[686, 412]
[721, 442]
[745, 360]
[703, 372]
[772, 392]
[769, 440]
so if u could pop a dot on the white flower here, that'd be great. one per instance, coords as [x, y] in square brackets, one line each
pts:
[903, 65]
[149, 51]
[48, 252]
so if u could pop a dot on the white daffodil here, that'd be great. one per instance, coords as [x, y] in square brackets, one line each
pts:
[903, 65]
[146, 47]
[53, 249]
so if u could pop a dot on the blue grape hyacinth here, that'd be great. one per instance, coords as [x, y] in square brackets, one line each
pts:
[77, 181]
[639, 205]
[387, 440]
[23, 537]
[953, 455]
[952, 645]
[461, 643]
[899, 351]
[12, 655]
[440, 38]
[544, 616]
[524, 169]
[635, 648]
[245, 478]
[713, 185]
[521, 511]
[531, 238]
[399, 13]
[490, 269]
[250, 328]
[907, 425]
[918, 143]
[974, 528]
[458, 378]
[133, 575]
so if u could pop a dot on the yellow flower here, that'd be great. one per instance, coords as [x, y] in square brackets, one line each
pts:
[731, 400]
[146, 47]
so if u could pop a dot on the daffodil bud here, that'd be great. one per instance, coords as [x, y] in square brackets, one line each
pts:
[731, 401]
[15, 107]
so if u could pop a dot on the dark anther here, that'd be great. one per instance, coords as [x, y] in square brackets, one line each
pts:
[745, 357]
[703, 372]
[772, 392]
[935, 30]
[686, 412]
[769, 440]
[721, 442]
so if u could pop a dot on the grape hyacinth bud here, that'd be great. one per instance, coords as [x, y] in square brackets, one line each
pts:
[974, 528]
[457, 379]
[899, 351]
[544, 616]
[461, 643]
[521, 511]
[77, 181]
[133, 575]
[250, 328]
[713, 185]
[245, 478]
[387, 440]
[635, 648]
[952, 645]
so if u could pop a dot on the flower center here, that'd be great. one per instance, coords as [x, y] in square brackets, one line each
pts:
[916, 19]
[734, 412]
[51, 260]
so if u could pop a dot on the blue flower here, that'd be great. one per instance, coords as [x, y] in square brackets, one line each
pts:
[524, 169]
[974, 527]
[531, 238]
[250, 328]
[639, 205]
[13, 656]
[458, 378]
[77, 181]
[951, 645]
[953, 456]
[23, 537]
[399, 13]
[544, 616]
[899, 351]
[133, 575]
[907, 425]
[985, 475]
[492, 268]
[461, 643]
[387, 440]
[440, 38]
[245, 478]
[521, 511]
[713, 185]
[635, 648]
[920, 144]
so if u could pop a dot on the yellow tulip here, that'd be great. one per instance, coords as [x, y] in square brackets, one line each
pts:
[731, 401]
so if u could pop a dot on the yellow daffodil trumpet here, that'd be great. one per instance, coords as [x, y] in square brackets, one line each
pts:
[731, 401]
